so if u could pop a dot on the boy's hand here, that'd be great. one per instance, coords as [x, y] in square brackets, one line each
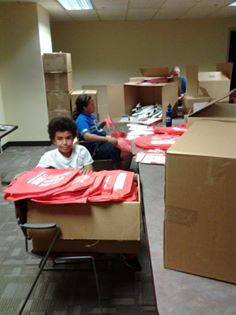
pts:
[17, 176]
[86, 171]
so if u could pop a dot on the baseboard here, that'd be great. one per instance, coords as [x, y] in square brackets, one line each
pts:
[25, 144]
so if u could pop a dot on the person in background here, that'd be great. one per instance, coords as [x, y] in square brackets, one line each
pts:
[182, 81]
[62, 132]
[100, 145]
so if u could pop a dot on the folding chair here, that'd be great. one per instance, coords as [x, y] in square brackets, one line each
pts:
[27, 228]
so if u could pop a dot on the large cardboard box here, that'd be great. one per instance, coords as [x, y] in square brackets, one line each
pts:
[110, 100]
[200, 216]
[74, 94]
[189, 101]
[58, 104]
[214, 110]
[57, 62]
[58, 81]
[213, 84]
[150, 94]
[98, 227]
[58, 100]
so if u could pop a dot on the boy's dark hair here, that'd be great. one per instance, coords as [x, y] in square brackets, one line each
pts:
[61, 124]
[81, 102]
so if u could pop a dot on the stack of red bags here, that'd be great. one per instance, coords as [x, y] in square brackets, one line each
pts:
[55, 186]
[164, 137]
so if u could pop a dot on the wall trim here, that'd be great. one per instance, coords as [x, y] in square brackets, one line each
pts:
[25, 144]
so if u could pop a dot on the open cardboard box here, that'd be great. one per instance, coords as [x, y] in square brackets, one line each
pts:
[189, 101]
[150, 74]
[212, 84]
[150, 94]
[155, 72]
[200, 216]
[92, 227]
[214, 110]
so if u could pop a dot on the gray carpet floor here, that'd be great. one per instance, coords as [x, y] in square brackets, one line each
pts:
[63, 293]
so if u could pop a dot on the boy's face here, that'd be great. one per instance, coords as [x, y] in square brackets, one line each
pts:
[64, 142]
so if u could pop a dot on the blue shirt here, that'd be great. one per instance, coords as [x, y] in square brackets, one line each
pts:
[88, 123]
[182, 85]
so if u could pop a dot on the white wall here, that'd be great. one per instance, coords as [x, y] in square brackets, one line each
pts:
[111, 52]
[22, 83]
[44, 30]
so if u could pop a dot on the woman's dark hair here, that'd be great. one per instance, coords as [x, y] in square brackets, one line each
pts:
[61, 124]
[81, 102]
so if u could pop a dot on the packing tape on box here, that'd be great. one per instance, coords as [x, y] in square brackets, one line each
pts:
[180, 215]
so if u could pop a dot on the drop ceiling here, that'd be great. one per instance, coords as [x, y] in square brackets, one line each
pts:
[141, 10]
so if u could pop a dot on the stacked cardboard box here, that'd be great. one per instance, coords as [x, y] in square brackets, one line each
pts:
[203, 87]
[110, 99]
[58, 82]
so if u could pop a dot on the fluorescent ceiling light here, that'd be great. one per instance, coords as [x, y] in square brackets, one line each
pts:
[76, 4]
[233, 4]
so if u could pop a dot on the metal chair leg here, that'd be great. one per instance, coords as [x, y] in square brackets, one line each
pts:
[97, 284]
[42, 264]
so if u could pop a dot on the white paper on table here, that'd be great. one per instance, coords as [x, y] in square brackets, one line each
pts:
[139, 127]
[150, 158]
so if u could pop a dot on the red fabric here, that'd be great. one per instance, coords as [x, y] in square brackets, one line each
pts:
[122, 143]
[116, 185]
[174, 130]
[162, 142]
[39, 181]
[156, 80]
[75, 197]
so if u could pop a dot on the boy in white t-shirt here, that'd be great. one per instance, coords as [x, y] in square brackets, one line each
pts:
[62, 132]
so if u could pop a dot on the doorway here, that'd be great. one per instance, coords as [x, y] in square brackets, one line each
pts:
[232, 57]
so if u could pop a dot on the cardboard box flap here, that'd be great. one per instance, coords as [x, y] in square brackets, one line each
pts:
[203, 139]
[155, 72]
[225, 68]
[192, 79]
[209, 83]
[212, 76]
[201, 109]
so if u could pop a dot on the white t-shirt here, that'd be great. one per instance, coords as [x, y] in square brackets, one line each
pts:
[79, 158]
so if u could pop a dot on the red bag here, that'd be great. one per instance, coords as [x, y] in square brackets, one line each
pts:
[124, 145]
[116, 186]
[162, 142]
[75, 196]
[39, 182]
[174, 130]
[156, 80]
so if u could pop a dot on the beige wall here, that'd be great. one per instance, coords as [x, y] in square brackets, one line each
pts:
[111, 52]
[22, 85]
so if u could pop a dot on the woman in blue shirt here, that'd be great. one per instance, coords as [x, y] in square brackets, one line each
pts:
[99, 144]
